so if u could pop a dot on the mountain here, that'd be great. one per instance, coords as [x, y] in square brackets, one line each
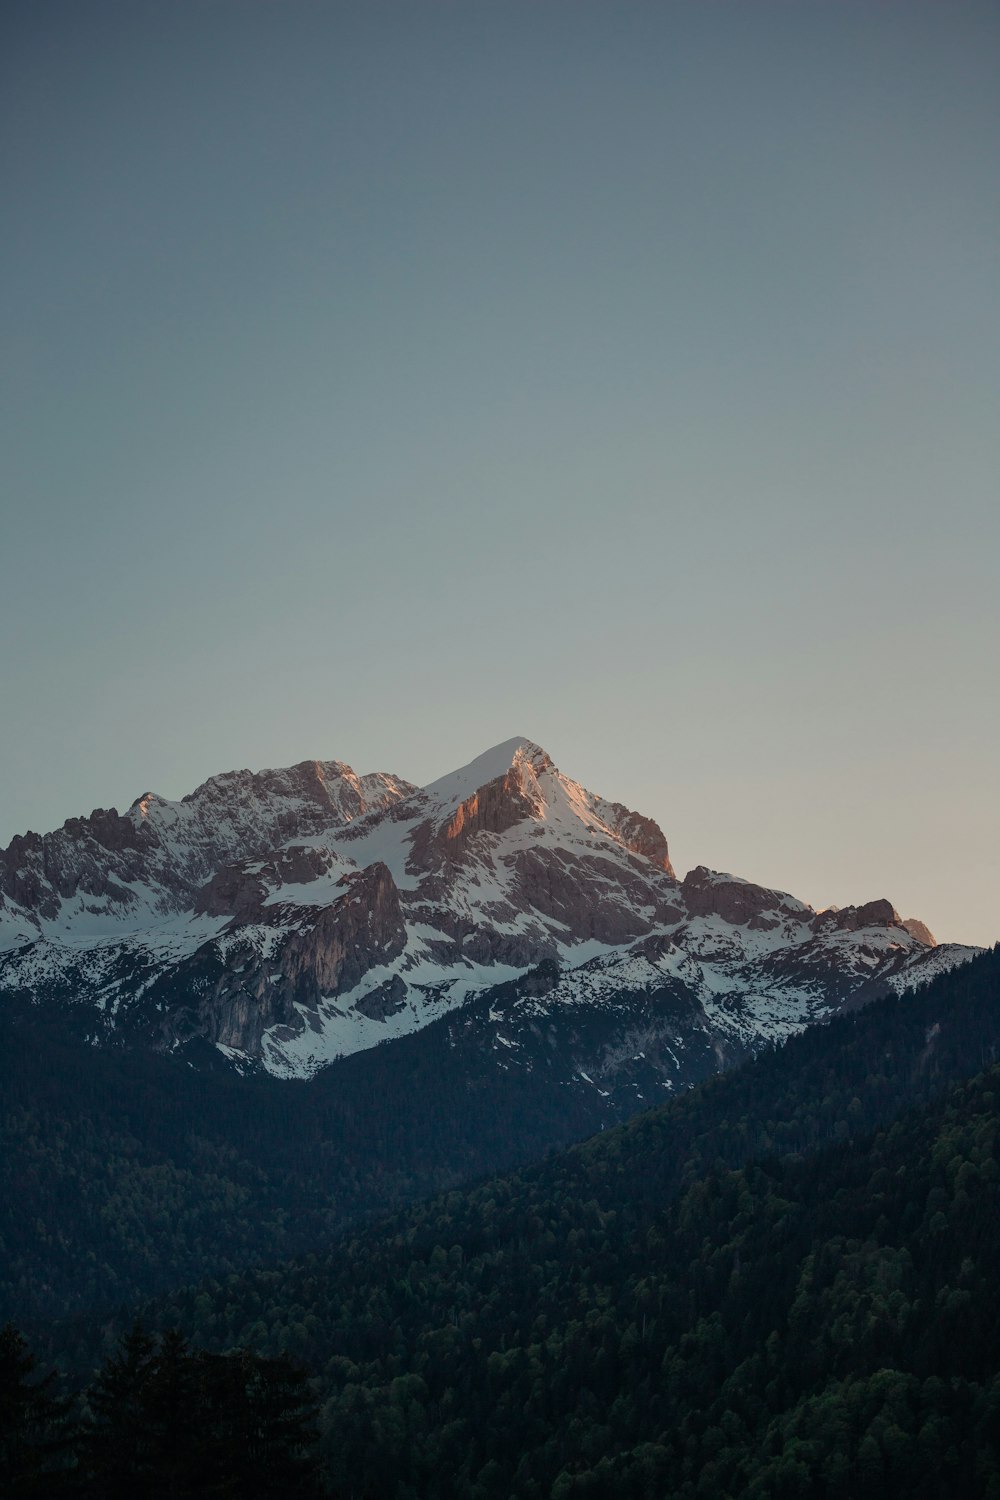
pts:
[295, 917]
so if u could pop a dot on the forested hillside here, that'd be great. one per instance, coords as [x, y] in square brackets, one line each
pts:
[820, 1322]
[826, 1326]
[787, 1283]
[124, 1173]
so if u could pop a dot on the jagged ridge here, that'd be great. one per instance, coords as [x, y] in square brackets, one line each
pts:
[293, 916]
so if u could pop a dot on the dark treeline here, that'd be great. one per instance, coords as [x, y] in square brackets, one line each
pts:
[786, 1283]
[158, 1422]
[125, 1173]
[824, 1325]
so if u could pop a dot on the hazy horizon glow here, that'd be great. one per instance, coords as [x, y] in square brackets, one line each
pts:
[385, 380]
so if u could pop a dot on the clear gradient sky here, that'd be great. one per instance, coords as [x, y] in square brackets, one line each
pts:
[382, 381]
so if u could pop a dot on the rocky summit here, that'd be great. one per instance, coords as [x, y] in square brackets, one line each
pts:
[293, 917]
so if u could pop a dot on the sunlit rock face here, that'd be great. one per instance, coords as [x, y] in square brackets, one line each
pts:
[295, 916]
[920, 931]
[854, 918]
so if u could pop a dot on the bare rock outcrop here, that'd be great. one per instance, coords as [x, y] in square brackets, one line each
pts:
[91, 856]
[707, 893]
[245, 994]
[357, 933]
[880, 913]
[240, 891]
[385, 1001]
[591, 896]
[162, 853]
[642, 836]
[493, 808]
[920, 931]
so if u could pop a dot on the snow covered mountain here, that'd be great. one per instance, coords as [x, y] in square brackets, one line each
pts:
[296, 916]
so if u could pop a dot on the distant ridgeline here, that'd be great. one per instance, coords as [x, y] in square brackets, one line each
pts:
[786, 1283]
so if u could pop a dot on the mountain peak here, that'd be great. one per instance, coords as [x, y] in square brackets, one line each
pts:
[492, 764]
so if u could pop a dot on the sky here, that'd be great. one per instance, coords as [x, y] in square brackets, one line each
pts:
[381, 381]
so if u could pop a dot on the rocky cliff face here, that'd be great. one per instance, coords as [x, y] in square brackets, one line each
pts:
[245, 990]
[920, 931]
[854, 918]
[291, 917]
[154, 858]
[707, 893]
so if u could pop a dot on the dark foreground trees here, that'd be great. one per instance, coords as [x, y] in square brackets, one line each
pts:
[159, 1420]
[34, 1430]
